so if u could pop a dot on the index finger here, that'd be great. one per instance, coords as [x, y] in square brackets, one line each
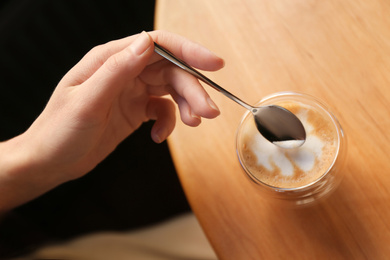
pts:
[192, 53]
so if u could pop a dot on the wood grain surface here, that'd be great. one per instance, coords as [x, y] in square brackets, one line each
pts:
[338, 51]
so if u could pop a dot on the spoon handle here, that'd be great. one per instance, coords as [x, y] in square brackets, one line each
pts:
[169, 56]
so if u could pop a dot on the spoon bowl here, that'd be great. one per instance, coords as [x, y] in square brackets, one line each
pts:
[277, 124]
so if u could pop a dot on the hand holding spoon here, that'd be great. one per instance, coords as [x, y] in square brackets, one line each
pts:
[275, 123]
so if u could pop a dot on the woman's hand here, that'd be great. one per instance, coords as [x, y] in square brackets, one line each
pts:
[103, 99]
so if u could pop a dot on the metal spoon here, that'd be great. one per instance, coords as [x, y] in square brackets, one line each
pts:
[275, 123]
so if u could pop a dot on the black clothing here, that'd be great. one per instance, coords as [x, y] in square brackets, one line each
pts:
[40, 40]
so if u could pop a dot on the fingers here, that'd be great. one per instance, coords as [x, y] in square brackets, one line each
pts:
[120, 70]
[193, 101]
[186, 114]
[192, 53]
[104, 72]
[190, 95]
[163, 111]
[94, 59]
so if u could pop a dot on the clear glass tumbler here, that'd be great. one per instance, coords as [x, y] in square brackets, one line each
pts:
[298, 176]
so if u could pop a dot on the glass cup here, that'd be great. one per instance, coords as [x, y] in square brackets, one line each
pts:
[298, 176]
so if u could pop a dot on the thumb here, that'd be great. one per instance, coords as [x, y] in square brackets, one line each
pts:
[121, 68]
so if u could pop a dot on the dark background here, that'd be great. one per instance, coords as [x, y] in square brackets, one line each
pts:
[40, 40]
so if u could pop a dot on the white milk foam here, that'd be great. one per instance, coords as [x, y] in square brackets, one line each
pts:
[285, 165]
[304, 157]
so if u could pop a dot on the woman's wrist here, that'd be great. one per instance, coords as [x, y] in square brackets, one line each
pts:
[23, 176]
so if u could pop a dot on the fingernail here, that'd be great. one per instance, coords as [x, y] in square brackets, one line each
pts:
[156, 138]
[219, 57]
[195, 115]
[223, 63]
[141, 44]
[212, 104]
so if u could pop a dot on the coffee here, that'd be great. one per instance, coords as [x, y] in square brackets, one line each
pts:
[291, 168]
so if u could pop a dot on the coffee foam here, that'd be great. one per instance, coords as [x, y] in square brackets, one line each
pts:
[291, 168]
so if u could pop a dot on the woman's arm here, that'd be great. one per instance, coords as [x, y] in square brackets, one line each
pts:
[98, 103]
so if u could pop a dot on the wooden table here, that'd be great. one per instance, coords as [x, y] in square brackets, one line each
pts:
[338, 51]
